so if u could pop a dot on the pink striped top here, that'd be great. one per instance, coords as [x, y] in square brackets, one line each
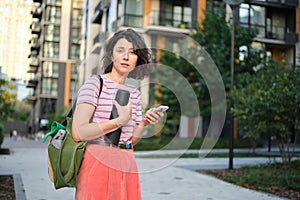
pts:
[89, 91]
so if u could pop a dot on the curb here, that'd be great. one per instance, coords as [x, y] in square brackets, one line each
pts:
[19, 187]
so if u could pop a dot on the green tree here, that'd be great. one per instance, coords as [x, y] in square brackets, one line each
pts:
[270, 106]
[21, 111]
[7, 99]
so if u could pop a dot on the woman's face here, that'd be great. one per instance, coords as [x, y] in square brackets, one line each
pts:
[123, 57]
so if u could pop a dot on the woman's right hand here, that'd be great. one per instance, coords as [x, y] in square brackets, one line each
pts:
[124, 113]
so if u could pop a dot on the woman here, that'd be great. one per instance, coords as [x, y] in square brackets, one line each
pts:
[109, 171]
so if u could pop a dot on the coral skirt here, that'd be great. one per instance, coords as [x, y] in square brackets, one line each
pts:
[108, 173]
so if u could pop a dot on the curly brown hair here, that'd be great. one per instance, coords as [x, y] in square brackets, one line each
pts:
[143, 67]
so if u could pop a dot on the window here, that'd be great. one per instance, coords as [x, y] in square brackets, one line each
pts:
[75, 51]
[52, 33]
[76, 17]
[77, 4]
[49, 86]
[254, 17]
[48, 106]
[51, 49]
[133, 14]
[175, 13]
[53, 14]
[75, 35]
[54, 2]
[50, 69]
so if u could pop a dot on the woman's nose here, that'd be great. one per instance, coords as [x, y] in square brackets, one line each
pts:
[126, 55]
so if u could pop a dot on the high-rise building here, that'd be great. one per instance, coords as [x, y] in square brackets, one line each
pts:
[15, 19]
[55, 51]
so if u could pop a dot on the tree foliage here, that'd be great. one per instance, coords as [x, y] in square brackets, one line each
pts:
[21, 111]
[270, 105]
[7, 99]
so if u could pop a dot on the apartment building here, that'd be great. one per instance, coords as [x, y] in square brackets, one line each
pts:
[14, 35]
[54, 57]
[278, 25]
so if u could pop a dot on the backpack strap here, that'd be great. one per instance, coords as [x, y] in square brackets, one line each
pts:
[70, 113]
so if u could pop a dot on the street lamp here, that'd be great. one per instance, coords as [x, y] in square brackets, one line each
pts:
[234, 4]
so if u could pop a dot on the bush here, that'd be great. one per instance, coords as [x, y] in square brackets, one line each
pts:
[158, 142]
[1, 134]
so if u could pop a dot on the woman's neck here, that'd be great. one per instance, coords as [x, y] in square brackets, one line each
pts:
[116, 77]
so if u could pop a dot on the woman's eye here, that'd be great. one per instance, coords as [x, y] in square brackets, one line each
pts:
[132, 52]
[120, 51]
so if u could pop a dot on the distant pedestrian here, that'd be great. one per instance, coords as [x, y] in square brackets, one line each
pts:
[14, 134]
[22, 134]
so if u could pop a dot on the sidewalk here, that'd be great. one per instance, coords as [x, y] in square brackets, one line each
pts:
[161, 179]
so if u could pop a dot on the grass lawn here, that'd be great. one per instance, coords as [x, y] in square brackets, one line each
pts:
[273, 178]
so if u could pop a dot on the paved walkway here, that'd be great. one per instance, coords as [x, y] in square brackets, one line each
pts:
[161, 179]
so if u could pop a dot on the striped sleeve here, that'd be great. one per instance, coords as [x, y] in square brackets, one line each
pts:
[89, 91]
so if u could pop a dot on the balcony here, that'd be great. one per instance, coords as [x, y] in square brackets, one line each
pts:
[169, 19]
[99, 9]
[35, 44]
[35, 28]
[32, 83]
[291, 38]
[275, 3]
[163, 23]
[293, 3]
[32, 69]
[37, 12]
[131, 20]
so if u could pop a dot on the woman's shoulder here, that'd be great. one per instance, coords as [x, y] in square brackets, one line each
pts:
[133, 89]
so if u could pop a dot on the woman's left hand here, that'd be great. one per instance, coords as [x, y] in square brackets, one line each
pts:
[152, 117]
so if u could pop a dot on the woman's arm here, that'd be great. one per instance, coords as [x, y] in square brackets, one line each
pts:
[83, 130]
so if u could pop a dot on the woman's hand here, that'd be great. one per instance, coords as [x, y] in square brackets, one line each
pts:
[152, 117]
[124, 113]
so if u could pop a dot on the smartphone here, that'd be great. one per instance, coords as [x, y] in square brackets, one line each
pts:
[161, 108]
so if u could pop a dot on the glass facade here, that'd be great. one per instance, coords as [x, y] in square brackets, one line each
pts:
[51, 49]
[76, 30]
[52, 32]
[53, 14]
[272, 23]
[50, 78]
[172, 13]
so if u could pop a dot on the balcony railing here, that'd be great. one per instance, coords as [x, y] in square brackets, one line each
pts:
[35, 27]
[36, 12]
[168, 19]
[130, 20]
[32, 83]
[277, 33]
[35, 43]
[293, 3]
